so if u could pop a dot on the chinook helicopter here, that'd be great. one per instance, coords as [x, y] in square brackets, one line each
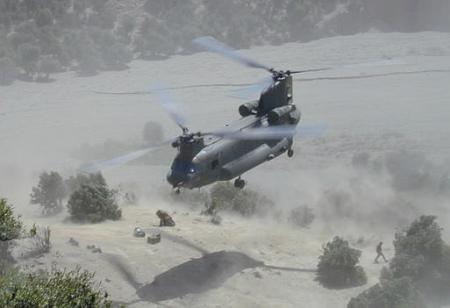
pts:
[265, 131]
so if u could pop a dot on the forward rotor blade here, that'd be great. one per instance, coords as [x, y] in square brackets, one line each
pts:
[214, 45]
[311, 70]
[169, 104]
[255, 90]
[272, 132]
[121, 160]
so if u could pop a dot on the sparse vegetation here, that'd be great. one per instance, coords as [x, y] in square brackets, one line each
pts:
[338, 267]
[49, 193]
[54, 289]
[419, 270]
[40, 242]
[92, 201]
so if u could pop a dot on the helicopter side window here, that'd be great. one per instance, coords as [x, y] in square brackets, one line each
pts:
[214, 164]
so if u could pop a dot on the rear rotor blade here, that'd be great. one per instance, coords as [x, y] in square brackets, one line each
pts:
[169, 104]
[214, 45]
[255, 90]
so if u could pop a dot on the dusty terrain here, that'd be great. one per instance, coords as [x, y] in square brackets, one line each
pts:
[402, 104]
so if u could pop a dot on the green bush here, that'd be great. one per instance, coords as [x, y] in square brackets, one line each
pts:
[49, 193]
[55, 289]
[10, 226]
[224, 196]
[93, 204]
[74, 183]
[10, 229]
[337, 266]
[397, 293]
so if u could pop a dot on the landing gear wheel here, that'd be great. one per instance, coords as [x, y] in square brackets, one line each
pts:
[177, 190]
[239, 183]
[290, 153]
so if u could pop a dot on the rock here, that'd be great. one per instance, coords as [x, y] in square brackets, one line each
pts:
[216, 220]
[96, 250]
[138, 232]
[73, 242]
[154, 238]
[257, 275]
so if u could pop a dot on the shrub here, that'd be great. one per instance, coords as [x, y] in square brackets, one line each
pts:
[337, 266]
[224, 196]
[301, 216]
[55, 289]
[8, 71]
[40, 242]
[48, 65]
[397, 293]
[93, 204]
[74, 183]
[49, 193]
[10, 227]
[28, 57]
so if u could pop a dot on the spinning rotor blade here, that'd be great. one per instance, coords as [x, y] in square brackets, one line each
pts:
[272, 132]
[214, 45]
[121, 160]
[253, 91]
[168, 102]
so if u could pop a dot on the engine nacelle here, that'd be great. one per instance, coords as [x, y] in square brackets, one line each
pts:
[283, 114]
[248, 108]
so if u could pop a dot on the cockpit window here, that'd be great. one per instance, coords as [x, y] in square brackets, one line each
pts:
[183, 166]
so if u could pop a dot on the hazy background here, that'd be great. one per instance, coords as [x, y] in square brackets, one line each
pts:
[40, 37]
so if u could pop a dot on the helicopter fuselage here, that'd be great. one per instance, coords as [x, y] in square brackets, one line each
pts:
[201, 161]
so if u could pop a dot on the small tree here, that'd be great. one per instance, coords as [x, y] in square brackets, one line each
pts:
[74, 183]
[47, 65]
[10, 229]
[337, 266]
[8, 71]
[10, 226]
[28, 57]
[93, 204]
[44, 18]
[418, 249]
[49, 193]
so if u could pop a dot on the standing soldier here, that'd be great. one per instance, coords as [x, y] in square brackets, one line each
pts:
[380, 252]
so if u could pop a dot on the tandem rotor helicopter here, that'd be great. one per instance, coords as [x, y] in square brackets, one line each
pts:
[265, 131]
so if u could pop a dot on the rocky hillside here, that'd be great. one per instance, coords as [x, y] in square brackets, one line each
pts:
[40, 37]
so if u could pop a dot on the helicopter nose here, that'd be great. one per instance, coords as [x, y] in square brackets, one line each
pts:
[175, 178]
